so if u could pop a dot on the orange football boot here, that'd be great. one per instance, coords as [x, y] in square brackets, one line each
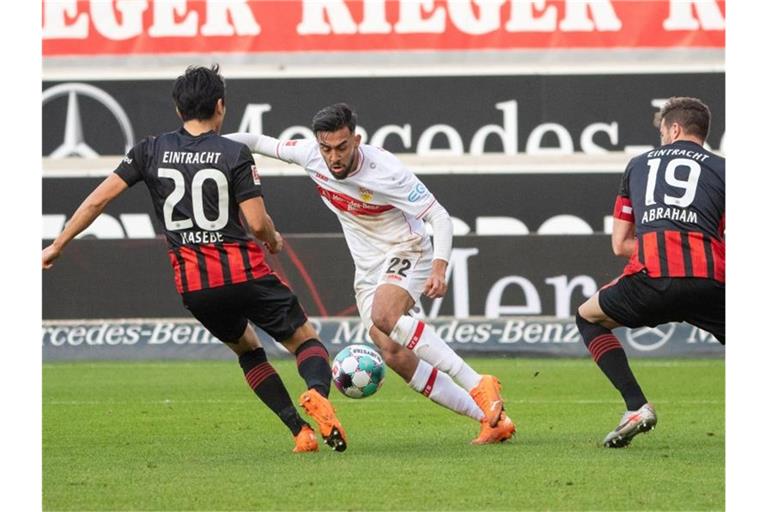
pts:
[487, 396]
[498, 434]
[305, 440]
[324, 415]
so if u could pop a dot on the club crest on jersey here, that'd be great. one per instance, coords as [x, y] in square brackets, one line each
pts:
[366, 195]
[255, 174]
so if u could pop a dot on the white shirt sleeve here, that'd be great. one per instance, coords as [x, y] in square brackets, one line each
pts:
[291, 151]
[442, 231]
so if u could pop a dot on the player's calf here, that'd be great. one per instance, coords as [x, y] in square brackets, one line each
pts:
[610, 357]
[312, 362]
[422, 339]
[440, 388]
[268, 386]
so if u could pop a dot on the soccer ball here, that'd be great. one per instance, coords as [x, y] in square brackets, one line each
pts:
[358, 371]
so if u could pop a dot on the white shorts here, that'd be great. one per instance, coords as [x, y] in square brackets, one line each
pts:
[407, 269]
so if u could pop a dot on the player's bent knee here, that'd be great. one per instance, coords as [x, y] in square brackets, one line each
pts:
[384, 320]
[300, 336]
[589, 330]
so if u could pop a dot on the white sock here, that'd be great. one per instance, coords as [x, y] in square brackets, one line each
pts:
[425, 343]
[439, 388]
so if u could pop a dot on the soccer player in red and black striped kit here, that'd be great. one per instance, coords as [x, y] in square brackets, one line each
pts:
[201, 184]
[669, 220]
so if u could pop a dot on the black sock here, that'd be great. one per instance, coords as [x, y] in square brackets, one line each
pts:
[269, 387]
[312, 360]
[609, 355]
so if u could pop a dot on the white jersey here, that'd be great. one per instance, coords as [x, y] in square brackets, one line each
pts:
[380, 204]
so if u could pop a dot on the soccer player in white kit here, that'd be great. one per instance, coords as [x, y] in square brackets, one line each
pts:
[383, 207]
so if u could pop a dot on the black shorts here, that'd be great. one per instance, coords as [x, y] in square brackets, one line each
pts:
[266, 302]
[637, 300]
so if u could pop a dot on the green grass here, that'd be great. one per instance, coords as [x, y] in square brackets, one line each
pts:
[192, 436]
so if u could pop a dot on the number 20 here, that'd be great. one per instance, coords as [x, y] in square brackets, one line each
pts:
[198, 211]
[688, 185]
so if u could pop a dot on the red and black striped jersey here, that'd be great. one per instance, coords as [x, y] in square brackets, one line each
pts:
[196, 184]
[675, 196]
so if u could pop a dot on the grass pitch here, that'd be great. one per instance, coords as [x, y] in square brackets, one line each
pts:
[192, 436]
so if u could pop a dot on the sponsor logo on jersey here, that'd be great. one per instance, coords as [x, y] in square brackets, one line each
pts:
[255, 174]
[418, 192]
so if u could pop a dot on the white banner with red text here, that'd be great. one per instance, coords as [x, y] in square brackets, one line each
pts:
[156, 27]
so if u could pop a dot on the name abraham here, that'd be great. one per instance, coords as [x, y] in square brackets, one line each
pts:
[653, 214]
[187, 157]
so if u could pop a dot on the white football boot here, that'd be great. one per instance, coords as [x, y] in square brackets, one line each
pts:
[631, 424]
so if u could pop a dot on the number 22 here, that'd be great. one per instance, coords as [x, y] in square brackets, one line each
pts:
[404, 266]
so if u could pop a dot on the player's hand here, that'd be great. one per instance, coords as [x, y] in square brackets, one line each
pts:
[276, 245]
[50, 253]
[436, 286]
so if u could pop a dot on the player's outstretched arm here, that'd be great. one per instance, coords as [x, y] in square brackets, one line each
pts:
[261, 144]
[85, 214]
[260, 224]
[291, 151]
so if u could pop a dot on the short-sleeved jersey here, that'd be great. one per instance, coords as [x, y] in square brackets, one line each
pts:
[675, 196]
[380, 204]
[196, 184]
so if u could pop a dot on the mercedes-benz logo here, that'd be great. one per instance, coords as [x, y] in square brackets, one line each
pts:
[646, 339]
[74, 143]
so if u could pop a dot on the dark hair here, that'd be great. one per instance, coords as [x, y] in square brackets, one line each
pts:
[690, 113]
[196, 92]
[333, 118]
